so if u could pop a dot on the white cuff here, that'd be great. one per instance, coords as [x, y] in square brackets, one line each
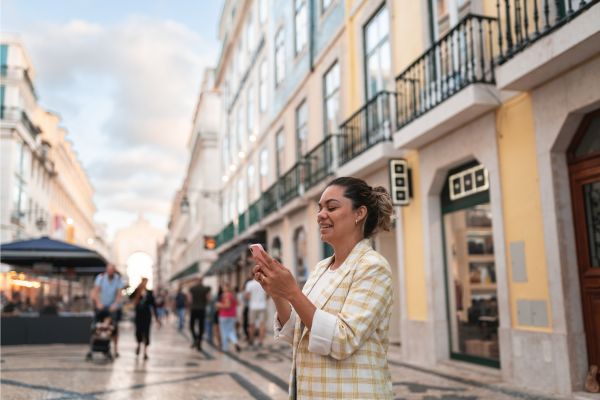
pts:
[321, 333]
[285, 332]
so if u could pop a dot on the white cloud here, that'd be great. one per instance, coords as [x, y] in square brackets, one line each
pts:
[126, 94]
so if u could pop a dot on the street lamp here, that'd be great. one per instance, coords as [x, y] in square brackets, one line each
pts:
[40, 221]
[184, 204]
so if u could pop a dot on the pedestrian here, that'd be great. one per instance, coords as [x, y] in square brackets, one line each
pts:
[215, 338]
[160, 301]
[145, 307]
[198, 297]
[246, 310]
[227, 318]
[180, 308]
[106, 296]
[339, 321]
[257, 311]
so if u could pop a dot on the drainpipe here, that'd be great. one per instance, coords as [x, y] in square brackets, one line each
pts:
[311, 34]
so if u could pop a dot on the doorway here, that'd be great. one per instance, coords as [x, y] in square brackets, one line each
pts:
[584, 173]
[470, 270]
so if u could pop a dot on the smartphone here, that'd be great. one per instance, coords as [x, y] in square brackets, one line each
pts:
[255, 250]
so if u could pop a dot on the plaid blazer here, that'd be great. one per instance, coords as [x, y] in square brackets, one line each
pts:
[360, 296]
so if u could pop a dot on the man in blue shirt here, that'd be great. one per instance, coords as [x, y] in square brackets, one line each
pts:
[106, 296]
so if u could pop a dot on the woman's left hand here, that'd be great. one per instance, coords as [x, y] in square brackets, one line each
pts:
[274, 278]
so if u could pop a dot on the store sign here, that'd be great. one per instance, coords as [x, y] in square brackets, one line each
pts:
[468, 182]
[210, 243]
[399, 182]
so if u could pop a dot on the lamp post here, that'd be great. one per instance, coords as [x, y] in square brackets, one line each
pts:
[184, 204]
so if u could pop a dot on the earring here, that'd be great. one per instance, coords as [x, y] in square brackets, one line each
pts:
[355, 222]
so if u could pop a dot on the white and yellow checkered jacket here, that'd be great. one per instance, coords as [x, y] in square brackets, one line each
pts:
[360, 296]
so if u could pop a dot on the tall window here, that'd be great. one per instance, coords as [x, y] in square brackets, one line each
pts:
[250, 110]
[3, 58]
[240, 129]
[280, 151]
[251, 179]
[331, 99]
[300, 24]
[264, 168]
[377, 53]
[250, 34]
[241, 196]
[262, 11]
[301, 130]
[1, 101]
[300, 253]
[279, 56]
[262, 90]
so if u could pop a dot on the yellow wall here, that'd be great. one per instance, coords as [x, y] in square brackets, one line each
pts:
[414, 263]
[521, 202]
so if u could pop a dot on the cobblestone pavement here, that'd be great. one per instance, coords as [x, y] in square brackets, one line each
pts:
[175, 371]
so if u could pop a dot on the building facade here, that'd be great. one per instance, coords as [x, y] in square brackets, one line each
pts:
[492, 106]
[27, 170]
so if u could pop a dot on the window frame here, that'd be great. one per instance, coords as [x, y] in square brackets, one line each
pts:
[330, 96]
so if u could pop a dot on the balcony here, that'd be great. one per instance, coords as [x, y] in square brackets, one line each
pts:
[319, 162]
[537, 42]
[453, 81]
[226, 234]
[370, 125]
[269, 199]
[254, 213]
[242, 223]
[290, 183]
[15, 115]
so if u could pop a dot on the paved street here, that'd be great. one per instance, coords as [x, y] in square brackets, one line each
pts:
[174, 371]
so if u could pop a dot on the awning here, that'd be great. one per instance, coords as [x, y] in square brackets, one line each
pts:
[53, 253]
[192, 269]
[227, 261]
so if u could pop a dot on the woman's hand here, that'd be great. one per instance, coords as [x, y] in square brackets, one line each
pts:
[274, 278]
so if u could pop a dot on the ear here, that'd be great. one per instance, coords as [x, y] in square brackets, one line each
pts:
[361, 213]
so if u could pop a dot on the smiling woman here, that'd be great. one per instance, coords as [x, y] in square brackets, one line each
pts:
[339, 322]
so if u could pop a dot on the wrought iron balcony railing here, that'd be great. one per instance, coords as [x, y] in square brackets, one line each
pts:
[319, 162]
[368, 126]
[254, 213]
[242, 225]
[522, 22]
[463, 56]
[269, 199]
[290, 183]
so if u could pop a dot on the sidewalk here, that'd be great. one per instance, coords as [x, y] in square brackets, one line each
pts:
[175, 371]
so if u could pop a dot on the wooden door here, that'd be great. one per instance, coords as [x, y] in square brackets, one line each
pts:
[585, 188]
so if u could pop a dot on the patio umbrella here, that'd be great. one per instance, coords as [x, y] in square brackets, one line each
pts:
[58, 254]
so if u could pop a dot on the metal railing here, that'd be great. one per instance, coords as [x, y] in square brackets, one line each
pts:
[269, 199]
[242, 225]
[370, 125]
[254, 213]
[522, 22]
[290, 183]
[319, 162]
[463, 56]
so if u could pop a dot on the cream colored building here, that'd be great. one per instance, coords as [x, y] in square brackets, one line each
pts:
[27, 169]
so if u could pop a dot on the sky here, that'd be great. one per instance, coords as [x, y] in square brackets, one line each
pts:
[124, 76]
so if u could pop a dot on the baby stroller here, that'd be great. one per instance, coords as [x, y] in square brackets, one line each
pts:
[102, 331]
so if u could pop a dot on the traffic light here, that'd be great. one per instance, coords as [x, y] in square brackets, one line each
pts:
[210, 243]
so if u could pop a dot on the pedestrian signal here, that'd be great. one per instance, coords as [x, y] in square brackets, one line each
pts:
[210, 243]
[400, 182]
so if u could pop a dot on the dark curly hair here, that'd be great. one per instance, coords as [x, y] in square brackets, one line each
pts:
[377, 200]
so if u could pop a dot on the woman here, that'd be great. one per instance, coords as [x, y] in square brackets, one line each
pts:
[145, 306]
[227, 307]
[338, 324]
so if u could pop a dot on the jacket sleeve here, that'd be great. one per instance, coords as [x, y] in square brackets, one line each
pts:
[368, 302]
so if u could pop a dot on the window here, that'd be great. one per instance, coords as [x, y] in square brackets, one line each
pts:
[262, 90]
[225, 153]
[1, 101]
[377, 53]
[279, 56]
[325, 4]
[262, 11]
[241, 60]
[251, 182]
[250, 34]
[275, 249]
[240, 130]
[241, 196]
[300, 24]
[3, 58]
[250, 110]
[331, 100]
[301, 130]
[264, 168]
[279, 151]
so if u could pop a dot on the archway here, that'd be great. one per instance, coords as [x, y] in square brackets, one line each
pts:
[139, 265]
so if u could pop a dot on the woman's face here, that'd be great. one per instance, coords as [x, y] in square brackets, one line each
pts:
[336, 216]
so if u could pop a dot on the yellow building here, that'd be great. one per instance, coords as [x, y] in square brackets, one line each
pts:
[494, 108]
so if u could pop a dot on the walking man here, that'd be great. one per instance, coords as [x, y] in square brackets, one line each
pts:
[198, 297]
[180, 307]
[257, 311]
[106, 296]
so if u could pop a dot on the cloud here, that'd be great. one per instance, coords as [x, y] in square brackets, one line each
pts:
[126, 93]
